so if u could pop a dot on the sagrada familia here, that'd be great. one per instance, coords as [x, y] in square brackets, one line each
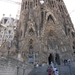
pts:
[44, 33]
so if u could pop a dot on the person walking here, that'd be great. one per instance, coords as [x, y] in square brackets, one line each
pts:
[49, 71]
[52, 65]
[56, 72]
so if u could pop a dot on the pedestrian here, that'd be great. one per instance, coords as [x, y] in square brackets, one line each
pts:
[68, 61]
[49, 71]
[65, 61]
[52, 65]
[37, 65]
[56, 72]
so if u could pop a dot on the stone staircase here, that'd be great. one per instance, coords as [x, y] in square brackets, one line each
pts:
[68, 69]
[39, 71]
[14, 67]
[64, 70]
[10, 66]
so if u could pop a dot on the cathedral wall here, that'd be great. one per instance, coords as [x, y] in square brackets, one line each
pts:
[45, 30]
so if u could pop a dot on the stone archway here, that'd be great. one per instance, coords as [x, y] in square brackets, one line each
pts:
[50, 58]
[57, 59]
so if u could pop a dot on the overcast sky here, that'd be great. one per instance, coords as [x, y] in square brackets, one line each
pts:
[70, 4]
[8, 8]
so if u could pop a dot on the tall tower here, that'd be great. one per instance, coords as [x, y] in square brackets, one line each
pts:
[45, 31]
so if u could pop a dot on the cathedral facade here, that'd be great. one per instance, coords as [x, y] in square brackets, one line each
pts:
[45, 31]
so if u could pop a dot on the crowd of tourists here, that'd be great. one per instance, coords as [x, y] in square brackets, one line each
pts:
[52, 70]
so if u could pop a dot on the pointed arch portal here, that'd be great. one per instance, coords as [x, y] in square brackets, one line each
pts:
[50, 58]
[57, 59]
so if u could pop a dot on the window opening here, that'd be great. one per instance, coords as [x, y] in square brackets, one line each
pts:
[30, 51]
[31, 41]
[26, 3]
[73, 34]
[42, 15]
[30, 4]
[73, 47]
[50, 18]
[5, 20]
[31, 32]
[9, 31]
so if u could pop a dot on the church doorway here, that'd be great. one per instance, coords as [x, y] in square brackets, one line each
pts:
[57, 59]
[50, 58]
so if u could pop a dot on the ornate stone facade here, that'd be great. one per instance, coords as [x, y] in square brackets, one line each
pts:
[45, 31]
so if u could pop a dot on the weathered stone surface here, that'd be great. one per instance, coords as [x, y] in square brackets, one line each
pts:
[9, 66]
[45, 29]
[44, 33]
